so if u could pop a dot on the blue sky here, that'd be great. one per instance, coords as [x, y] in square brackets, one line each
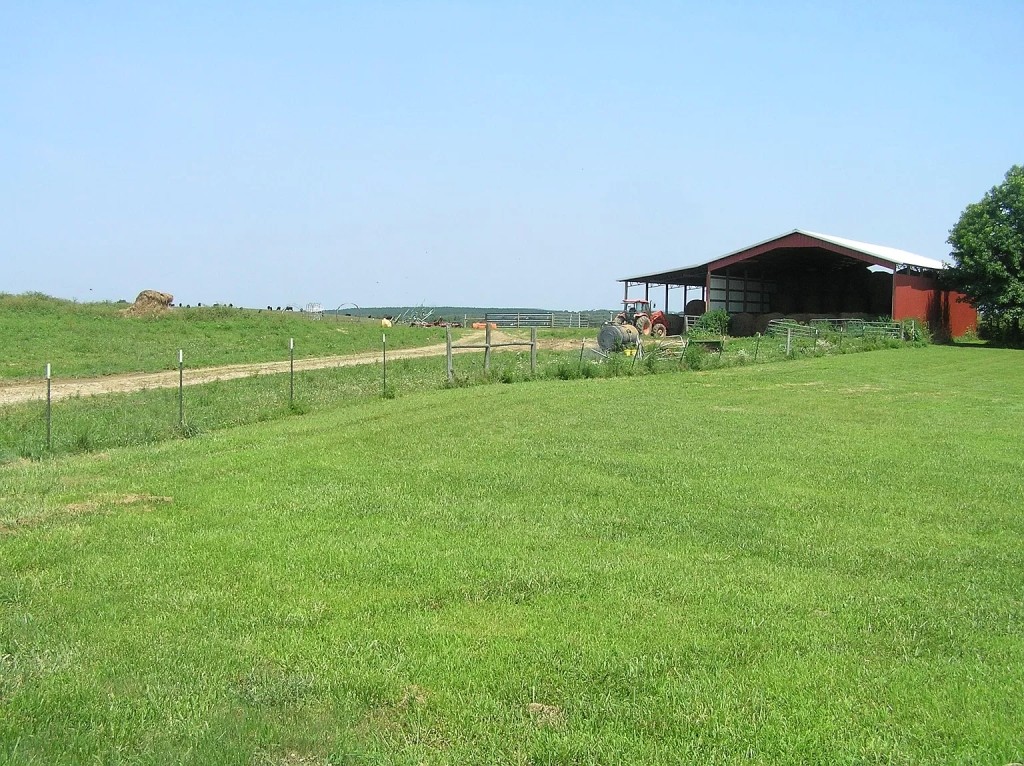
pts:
[481, 153]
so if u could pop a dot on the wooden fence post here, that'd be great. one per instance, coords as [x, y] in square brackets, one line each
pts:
[533, 350]
[487, 348]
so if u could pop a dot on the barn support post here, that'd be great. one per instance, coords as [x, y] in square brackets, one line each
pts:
[647, 291]
[892, 304]
[665, 307]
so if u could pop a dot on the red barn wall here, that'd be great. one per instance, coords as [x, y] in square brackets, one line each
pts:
[917, 297]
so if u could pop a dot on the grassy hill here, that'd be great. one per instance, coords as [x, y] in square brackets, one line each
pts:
[86, 339]
[814, 562]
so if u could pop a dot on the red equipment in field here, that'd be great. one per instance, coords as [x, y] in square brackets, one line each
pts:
[637, 312]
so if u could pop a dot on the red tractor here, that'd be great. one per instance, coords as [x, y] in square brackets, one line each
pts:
[637, 312]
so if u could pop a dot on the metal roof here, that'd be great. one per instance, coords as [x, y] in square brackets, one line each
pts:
[895, 256]
[889, 257]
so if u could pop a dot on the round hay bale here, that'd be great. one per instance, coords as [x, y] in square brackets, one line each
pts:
[762, 320]
[741, 325]
[695, 308]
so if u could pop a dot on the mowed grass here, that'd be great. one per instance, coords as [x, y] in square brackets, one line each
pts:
[89, 339]
[816, 562]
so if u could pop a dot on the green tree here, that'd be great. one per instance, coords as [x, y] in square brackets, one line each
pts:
[988, 252]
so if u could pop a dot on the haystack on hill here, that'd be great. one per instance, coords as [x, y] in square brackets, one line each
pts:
[149, 302]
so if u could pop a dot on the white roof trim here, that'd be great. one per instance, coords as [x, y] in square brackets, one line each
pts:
[891, 254]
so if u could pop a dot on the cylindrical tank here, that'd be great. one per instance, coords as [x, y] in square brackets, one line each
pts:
[615, 337]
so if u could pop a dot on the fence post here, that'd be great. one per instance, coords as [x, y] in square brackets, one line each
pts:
[291, 372]
[757, 344]
[181, 389]
[384, 346]
[448, 354]
[487, 345]
[789, 340]
[552, 318]
[533, 350]
[49, 443]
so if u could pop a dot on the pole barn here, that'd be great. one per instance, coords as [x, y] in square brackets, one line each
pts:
[804, 275]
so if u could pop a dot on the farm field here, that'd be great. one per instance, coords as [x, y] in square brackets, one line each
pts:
[90, 339]
[820, 561]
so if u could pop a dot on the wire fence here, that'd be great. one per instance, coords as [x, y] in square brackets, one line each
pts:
[190, 402]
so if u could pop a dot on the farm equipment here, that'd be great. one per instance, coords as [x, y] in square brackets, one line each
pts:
[637, 312]
[618, 337]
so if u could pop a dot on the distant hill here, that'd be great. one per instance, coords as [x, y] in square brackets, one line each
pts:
[459, 313]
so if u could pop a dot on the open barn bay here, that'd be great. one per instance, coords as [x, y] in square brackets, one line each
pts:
[813, 562]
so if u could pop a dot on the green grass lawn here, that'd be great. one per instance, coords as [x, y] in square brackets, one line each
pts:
[88, 339]
[813, 562]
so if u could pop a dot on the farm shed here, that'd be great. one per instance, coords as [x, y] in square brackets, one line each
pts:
[807, 275]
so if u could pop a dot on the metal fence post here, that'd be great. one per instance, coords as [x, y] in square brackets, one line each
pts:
[181, 389]
[49, 442]
[487, 343]
[448, 354]
[291, 372]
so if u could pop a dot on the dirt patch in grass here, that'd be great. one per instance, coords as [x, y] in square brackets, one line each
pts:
[144, 503]
[545, 715]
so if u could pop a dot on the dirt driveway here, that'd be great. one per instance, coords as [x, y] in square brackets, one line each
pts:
[20, 391]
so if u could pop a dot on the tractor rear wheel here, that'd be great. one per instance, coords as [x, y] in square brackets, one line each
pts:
[643, 324]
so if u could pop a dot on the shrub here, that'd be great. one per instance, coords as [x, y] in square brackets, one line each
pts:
[695, 356]
[711, 323]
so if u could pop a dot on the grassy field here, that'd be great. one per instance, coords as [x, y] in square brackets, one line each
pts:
[815, 562]
[88, 339]
[86, 424]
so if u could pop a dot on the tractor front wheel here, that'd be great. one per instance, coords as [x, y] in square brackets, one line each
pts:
[659, 330]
